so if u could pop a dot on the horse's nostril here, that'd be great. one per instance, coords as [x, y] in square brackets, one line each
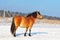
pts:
[41, 17]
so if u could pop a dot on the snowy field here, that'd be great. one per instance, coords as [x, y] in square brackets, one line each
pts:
[40, 31]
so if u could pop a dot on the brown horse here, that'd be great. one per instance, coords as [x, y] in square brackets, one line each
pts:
[24, 22]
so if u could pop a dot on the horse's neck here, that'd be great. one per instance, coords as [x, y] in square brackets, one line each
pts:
[31, 18]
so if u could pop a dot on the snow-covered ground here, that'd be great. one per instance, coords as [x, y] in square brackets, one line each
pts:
[40, 31]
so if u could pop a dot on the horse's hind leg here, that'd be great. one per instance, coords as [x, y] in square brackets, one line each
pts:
[14, 34]
[26, 31]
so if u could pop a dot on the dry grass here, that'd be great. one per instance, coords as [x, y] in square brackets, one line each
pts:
[51, 21]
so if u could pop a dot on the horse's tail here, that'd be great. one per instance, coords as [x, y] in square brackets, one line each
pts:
[12, 26]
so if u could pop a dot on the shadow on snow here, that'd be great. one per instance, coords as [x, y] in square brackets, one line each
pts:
[33, 33]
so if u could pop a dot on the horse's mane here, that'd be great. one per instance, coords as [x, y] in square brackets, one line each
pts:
[34, 14]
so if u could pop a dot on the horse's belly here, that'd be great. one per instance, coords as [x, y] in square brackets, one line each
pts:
[24, 23]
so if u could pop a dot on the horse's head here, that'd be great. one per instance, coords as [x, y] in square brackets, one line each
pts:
[39, 15]
[36, 14]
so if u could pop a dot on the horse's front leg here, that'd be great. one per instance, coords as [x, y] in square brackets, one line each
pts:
[26, 31]
[30, 30]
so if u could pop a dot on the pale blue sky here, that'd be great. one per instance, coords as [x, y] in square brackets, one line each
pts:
[45, 7]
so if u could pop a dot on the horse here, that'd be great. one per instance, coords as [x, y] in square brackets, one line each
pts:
[24, 22]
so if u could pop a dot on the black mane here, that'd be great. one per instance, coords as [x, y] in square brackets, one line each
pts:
[34, 14]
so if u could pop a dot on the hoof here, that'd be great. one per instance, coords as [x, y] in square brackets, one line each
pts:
[14, 35]
[25, 34]
[29, 34]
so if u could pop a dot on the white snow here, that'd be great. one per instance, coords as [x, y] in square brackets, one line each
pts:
[40, 31]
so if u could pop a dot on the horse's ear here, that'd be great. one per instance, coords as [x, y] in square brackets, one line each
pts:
[39, 13]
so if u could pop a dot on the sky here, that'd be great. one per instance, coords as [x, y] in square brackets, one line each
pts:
[45, 7]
